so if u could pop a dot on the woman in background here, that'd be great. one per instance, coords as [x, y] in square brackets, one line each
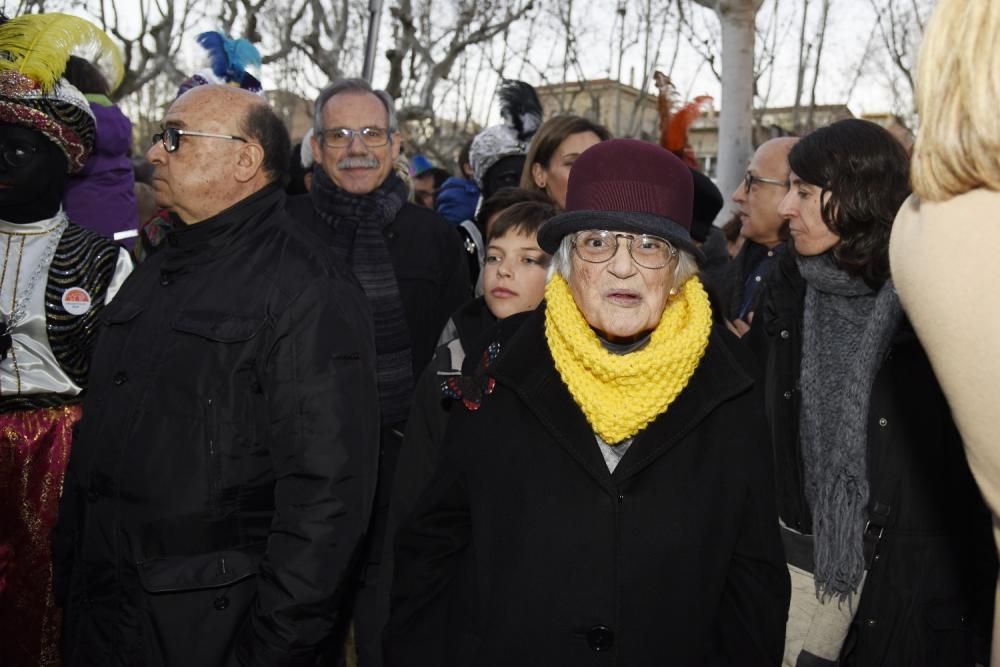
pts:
[554, 149]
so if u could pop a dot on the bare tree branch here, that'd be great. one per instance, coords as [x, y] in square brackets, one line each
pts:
[820, 37]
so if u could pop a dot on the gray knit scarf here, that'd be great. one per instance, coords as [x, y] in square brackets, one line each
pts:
[847, 328]
[359, 223]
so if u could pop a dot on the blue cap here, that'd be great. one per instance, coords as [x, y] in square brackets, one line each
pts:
[419, 164]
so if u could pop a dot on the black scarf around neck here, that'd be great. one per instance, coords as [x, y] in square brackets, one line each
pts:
[359, 224]
[846, 333]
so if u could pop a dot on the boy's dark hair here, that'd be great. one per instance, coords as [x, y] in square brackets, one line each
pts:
[522, 218]
[505, 198]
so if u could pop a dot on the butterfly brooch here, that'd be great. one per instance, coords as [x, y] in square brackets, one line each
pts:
[472, 389]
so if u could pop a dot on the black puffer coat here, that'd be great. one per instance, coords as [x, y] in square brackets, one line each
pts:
[927, 599]
[224, 471]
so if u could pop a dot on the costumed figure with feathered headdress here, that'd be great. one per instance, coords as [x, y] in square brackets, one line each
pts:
[55, 278]
[232, 62]
[497, 156]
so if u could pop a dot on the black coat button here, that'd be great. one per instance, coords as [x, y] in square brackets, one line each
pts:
[600, 638]
[93, 496]
[164, 279]
[221, 602]
[120, 378]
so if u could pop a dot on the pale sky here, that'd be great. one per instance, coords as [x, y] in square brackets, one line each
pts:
[849, 26]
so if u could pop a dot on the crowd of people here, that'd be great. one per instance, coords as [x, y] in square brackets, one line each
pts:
[336, 405]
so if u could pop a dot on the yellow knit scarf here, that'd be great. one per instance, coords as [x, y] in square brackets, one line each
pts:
[620, 394]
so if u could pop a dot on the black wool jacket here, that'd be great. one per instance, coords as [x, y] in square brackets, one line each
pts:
[430, 266]
[223, 474]
[928, 596]
[525, 550]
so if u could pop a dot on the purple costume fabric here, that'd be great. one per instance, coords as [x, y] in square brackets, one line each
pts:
[101, 197]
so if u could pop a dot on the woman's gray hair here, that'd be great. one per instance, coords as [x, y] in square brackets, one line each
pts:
[562, 262]
[352, 86]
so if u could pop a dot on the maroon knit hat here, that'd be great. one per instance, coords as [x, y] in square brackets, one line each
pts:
[630, 186]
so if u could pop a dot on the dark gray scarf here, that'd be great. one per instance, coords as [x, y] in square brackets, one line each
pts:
[847, 329]
[359, 223]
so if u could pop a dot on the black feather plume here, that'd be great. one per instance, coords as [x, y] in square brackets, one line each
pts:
[520, 107]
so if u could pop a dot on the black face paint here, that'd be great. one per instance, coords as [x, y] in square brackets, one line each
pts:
[32, 175]
[506, 173]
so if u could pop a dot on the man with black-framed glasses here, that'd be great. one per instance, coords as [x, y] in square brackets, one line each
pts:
[764, 230]
[409, 261]
[223, 478]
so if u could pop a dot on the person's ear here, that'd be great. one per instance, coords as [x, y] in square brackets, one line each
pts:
[394, 145]
[249, 162]
[538, 175]
[317, 148]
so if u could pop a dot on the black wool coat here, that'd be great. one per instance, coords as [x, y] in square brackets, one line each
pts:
[431, 270]
[224, 470]
[928, 597]
[525, 549]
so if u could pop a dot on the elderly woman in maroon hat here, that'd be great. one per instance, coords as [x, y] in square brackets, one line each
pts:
[609, 501]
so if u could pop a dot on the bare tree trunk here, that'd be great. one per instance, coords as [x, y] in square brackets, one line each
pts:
[736, 118]
[800, 75]
[764, 60]
[821, 34]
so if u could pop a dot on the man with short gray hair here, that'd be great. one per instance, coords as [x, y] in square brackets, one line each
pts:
[409, 262]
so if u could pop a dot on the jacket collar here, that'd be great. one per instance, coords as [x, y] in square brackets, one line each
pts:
[525, 366]
[787, 291]
[223, 232]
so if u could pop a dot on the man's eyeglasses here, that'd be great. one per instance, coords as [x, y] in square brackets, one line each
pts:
[750, 179]
[341, 137]
[599, 246]
[171, 137]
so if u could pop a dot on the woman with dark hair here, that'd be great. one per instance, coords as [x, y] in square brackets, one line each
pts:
[886, 537]
[554, 149]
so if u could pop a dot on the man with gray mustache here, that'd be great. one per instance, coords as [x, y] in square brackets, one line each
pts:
[410, 263]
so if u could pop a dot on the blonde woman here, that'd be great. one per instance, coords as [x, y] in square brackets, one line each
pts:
[943, 252]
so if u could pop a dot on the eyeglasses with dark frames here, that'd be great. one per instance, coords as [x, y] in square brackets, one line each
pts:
[598, 246]
[341, 137]
[750, 179]
[170, 137]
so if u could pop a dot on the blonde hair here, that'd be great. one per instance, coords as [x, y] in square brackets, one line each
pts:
[958, 98]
